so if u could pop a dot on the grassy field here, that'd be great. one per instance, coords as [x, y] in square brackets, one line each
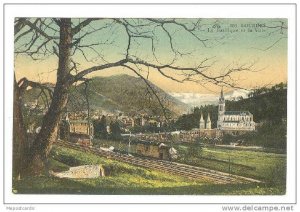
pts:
[127, 179]
[269, 167]
[266, 166]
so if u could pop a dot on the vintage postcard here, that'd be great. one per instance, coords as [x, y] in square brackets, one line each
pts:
[142, 105]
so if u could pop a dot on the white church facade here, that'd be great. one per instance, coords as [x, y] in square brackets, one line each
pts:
[233, 120]
[229, 122]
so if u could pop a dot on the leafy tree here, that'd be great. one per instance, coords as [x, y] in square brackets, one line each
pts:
[100, 128]
[187, 122]
[190, 121]
[228, 138]
[194, 150]
[115, 130]
[266, 104]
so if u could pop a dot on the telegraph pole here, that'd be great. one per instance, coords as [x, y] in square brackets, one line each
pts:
[229, 166]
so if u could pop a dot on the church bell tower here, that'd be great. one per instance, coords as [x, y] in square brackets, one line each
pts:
[221, 110]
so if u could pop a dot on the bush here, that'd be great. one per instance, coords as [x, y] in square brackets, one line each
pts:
[227, 139]
[68, 160]
[194, 150]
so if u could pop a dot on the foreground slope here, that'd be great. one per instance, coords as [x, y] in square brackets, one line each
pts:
[125, 179]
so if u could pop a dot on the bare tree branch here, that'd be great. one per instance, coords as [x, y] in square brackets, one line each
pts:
[81, 74]
[280, 30]
[162, 22]
[24, 83]
[83, 24]
[36, 28]
[152, 89]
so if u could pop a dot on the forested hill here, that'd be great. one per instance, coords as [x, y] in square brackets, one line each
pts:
[119, 93]
[266, 105]
[127, 94]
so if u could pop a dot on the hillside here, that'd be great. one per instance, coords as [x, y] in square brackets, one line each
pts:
[266, 105]
[269, 109]
[126, 179]
[119, 93]
[127, 94]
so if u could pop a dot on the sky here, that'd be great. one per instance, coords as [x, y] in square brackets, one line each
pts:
[228, 43]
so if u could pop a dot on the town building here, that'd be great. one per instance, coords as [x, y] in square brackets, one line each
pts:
[192, 135]
[152, 149]
[81, 127]
[80, 131]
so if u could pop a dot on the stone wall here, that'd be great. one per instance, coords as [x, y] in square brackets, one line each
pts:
[85, 171]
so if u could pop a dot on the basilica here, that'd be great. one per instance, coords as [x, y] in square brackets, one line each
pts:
[233, 120]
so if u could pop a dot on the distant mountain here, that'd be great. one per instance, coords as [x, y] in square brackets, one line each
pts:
[197, 99]
[124, 93]
[237, 94]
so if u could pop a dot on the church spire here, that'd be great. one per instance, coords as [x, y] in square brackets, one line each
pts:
[208, 118]
[208, 122]
[201, 118]
[222, 95]
[201, 123]
[221, 110]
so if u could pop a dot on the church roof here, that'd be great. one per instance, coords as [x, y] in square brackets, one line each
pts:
[231, 121]
[241, 113]
[80, 121]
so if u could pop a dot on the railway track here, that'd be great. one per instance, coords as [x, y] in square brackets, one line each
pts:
[192, 172]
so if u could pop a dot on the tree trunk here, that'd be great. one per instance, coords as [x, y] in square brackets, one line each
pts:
[49, 129]
[19, 134]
